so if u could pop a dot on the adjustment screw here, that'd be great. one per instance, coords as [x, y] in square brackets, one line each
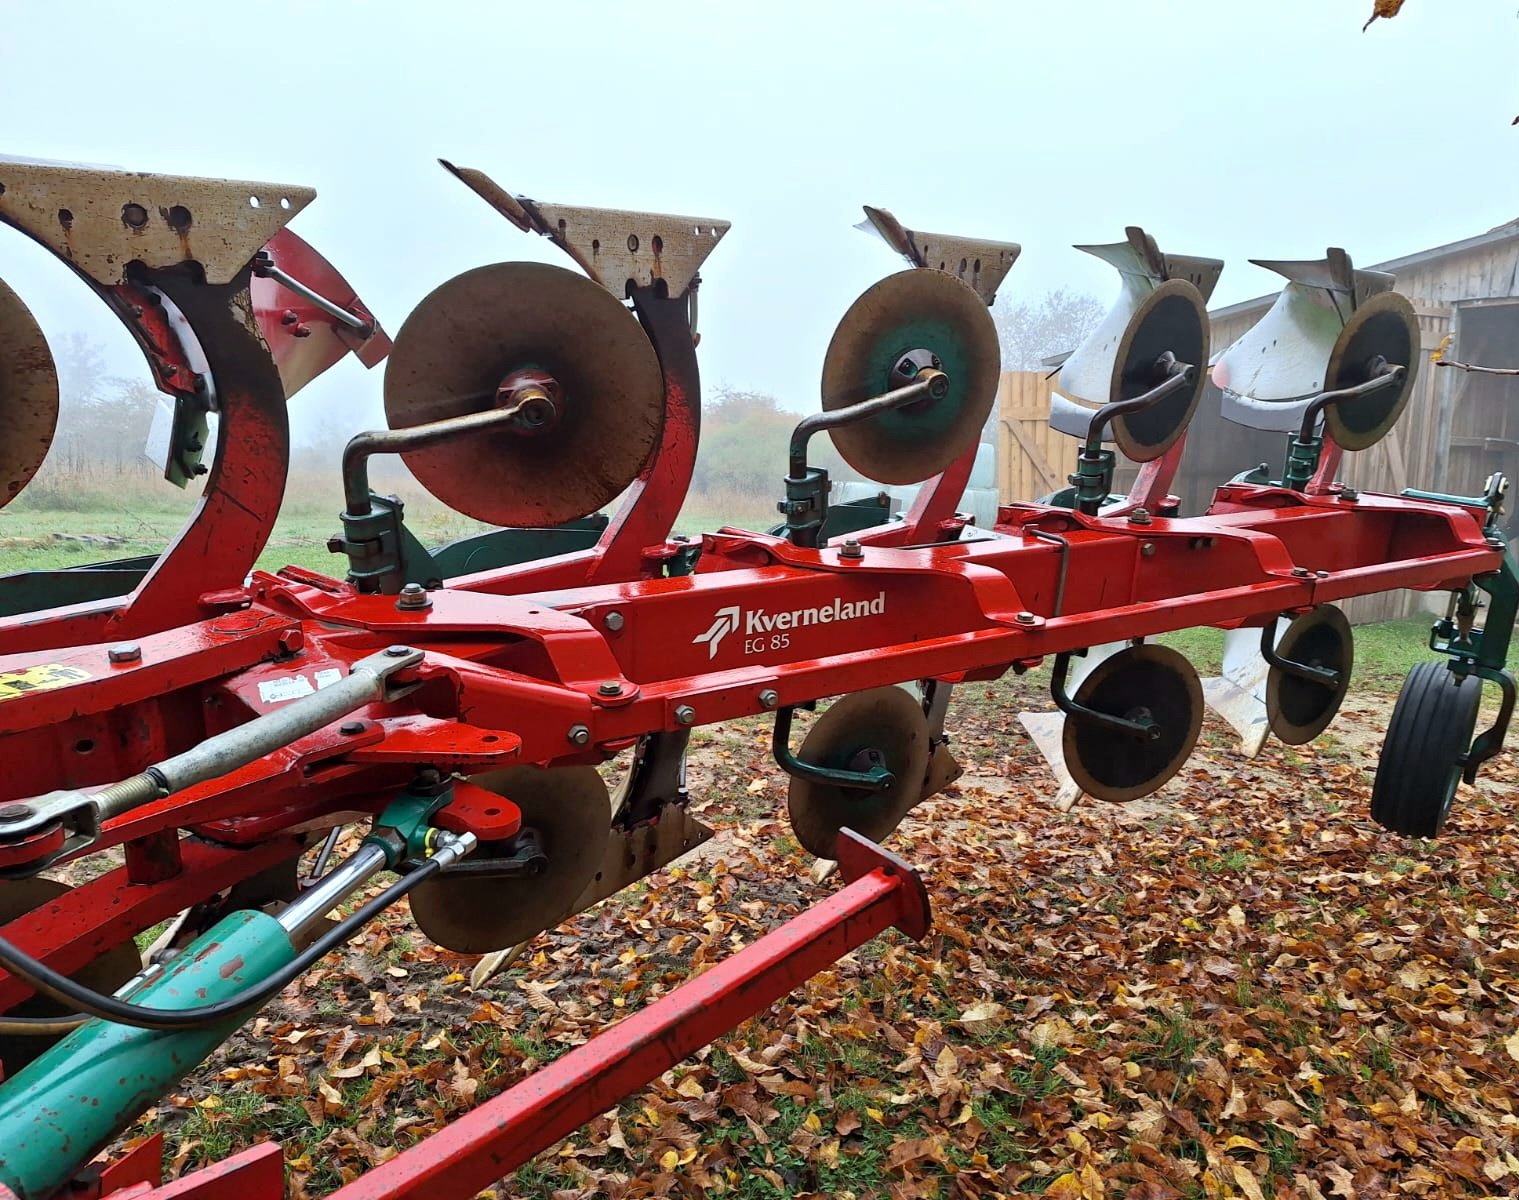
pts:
[413, 596]
[1301, 572]
[351, 728]
[610, 688]
[1140, 516]
[1349, 494]
[1026, 618]
[579, 735]
[613, 621]
[15, 812]
[397, 651]
[769, 698]
[851, 549]
[126, 652]
[1147, 549]
[685, 714]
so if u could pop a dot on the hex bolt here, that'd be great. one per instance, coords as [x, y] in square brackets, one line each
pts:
[1322, 574]
[1301, 572]
[413, 597]
[685, 714]
[769, 698]
[15, 812]
[1349, 494]
[613, 621]
[1140, 516]
[610, 688]
[1147, 549]
[292, 641]
[397, 651]
[579, 735]
[851, 549]
[125, 652]
[351, 728]
[1026, 618]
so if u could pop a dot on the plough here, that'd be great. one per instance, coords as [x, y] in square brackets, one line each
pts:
[210, 723]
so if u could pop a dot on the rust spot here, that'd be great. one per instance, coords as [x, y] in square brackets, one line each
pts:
[231, 967]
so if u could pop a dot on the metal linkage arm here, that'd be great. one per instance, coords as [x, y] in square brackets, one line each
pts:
[65, 821]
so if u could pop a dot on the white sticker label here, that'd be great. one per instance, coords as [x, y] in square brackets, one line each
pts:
[293, 687]
[277, 691]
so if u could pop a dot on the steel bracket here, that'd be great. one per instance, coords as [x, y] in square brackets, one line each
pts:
[100, 220]
[619, 248]
[981, 264]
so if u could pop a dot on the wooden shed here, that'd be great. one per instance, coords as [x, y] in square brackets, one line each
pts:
[1457, 430]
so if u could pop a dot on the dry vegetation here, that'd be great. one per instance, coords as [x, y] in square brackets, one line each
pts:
[1240, 988]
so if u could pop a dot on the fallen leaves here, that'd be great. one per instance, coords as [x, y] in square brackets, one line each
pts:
[1248, 992]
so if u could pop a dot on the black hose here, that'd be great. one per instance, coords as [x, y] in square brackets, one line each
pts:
[91, 1003]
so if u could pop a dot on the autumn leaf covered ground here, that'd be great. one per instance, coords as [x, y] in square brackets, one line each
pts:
[1238, 988]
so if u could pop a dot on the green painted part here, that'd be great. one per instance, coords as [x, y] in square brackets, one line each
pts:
[848, 517]
[57, 1112]
[187, 442]
[1444, 498]
[916, 422]
[498, 548]
[409, 817]
[1502, 588]
[1092, 480]
[1066, 498]
[30, 591]
[1302, 462]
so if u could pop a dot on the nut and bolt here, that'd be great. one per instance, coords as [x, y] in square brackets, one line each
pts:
[1140, 516]
[1147, 549]
[413, 596]
[851, 549]
[1026, 618]
[397, 651]
[125, 652]
[579, 735]
[769, 698]
[351, 728]
[1349, 493]
[610, 688]
[15, 812]
[1301, 572]
[613, 621]
[684, 714]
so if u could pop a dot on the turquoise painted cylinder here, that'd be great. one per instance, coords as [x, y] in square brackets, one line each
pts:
[65, 1106]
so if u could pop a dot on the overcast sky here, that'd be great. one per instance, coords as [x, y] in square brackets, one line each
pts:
[1229, 129]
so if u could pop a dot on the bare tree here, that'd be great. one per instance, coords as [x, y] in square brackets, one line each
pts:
[1033, 330]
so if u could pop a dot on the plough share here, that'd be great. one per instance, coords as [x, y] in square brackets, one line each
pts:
[211, 723]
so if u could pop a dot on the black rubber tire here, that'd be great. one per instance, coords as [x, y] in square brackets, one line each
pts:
[1420, 765]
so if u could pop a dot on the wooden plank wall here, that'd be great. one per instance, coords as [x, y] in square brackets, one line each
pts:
[1032, 459]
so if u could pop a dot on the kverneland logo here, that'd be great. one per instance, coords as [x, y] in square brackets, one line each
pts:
[764, 630]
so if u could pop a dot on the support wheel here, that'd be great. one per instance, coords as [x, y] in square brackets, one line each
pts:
[1421, 760]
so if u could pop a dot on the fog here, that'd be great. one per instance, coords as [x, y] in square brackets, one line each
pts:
[1261, 130]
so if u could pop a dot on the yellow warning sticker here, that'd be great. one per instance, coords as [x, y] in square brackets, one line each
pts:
[39, 679]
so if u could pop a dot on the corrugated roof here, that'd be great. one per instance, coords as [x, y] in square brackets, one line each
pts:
[1498, 233]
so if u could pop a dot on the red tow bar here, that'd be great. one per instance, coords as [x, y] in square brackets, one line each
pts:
[490, 1142]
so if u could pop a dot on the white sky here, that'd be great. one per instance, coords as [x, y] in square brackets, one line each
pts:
[1229, 129]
